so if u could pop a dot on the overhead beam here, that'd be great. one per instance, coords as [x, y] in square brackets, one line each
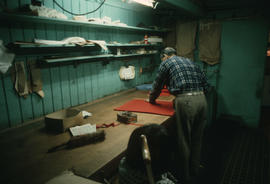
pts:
[186, 6]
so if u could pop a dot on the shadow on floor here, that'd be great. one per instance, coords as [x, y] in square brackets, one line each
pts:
[234, 154]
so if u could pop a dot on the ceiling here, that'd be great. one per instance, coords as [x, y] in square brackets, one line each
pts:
[203, 7]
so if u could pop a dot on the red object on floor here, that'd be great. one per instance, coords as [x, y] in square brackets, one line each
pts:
[106, 125]
[140, 105]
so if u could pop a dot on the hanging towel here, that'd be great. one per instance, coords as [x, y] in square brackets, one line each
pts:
[170, 38]
[185, 38]
[35, 78]
[20, 79]
[209, 42]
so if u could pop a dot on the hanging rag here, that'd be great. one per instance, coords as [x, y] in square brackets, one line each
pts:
[185, 39]
[35, 78]
[170, 38]
[20, 79]
[209, 42]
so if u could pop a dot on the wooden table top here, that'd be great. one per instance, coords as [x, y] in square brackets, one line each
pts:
[24, 150]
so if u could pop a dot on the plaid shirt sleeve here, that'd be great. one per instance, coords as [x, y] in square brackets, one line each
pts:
[159, 82]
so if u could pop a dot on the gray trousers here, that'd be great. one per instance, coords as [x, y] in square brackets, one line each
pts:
[191, 112]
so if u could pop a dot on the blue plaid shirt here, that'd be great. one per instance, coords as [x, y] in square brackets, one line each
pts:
[180, 75]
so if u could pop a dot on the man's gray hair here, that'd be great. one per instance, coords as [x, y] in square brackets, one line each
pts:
[168, 51]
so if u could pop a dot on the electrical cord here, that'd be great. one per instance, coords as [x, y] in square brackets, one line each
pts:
[79, 14]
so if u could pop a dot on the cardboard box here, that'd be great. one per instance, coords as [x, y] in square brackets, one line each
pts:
[59, 122]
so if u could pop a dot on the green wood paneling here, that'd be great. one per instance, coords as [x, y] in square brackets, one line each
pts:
[4, 119]
[13, 103]
[100, 79]
[81, 84]
[65, 86]
[242, 68]
[56, 88]
[48, 100]
[69, 85]
[12, 4]
[73, 85]
[94, 76]
[88, 82]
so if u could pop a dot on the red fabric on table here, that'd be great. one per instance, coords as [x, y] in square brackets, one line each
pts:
[140, 105]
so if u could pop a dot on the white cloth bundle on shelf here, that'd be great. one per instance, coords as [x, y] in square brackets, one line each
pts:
[5, 58]
[127, 73]
[47, 12]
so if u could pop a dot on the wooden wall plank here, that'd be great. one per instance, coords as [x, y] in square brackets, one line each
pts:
[67, 4]
[75, 7]
[100, 79]
[88, 82]
[14, 110]
[105, 87]
[24, 2]
[73, 84]
[94, 72]
[83, 6]
[116, 78]
[4, 119]
[65, 88]
[81, 83]
[56, 88]
[12, 5]
[47, 100]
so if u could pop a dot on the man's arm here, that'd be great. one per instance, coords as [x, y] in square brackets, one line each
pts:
[158, 83]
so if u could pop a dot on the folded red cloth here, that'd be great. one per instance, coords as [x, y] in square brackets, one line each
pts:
[140, 105]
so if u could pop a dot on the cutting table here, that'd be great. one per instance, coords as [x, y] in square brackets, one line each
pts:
[25, 158]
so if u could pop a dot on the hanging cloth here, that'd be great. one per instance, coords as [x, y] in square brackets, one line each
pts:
[185, 39]
[35, 78]
[170, 38]
[20, 79]
[209, 42]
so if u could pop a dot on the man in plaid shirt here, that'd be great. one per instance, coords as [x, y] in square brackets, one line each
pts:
[188, 84]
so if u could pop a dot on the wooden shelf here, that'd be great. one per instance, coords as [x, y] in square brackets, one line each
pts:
[6, 17]
[132, 45]
[55, 60]
[107, 56]
[33, 45]
[49, 46]
[131, 55]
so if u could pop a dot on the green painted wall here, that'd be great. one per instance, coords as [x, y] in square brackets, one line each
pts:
[66, 85]
[240, 80]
